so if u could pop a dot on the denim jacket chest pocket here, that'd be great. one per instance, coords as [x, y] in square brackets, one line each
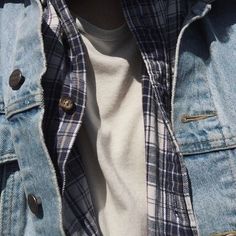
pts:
[204, 111]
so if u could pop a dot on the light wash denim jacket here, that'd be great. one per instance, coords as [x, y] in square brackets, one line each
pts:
[204, 112]
[21, 137]
[203, 115]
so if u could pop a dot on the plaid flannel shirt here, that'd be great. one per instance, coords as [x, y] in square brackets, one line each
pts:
[155, 25]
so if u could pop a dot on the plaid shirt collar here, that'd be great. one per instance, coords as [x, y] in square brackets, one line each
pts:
[155, 25]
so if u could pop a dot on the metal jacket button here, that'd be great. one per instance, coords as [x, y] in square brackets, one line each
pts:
[16, 79]
[67, 105]
[34, 204]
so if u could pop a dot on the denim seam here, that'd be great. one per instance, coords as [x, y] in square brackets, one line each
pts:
[177, 52]
[6, 199]
[223, 233]
[7, 156]
[17, 111]
[54, 178]
[2, 202]
[231, 170]
[210, 140]
[201, 151]
[11, 203]
[22, 99]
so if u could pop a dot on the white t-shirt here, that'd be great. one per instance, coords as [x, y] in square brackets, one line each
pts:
[111, 139]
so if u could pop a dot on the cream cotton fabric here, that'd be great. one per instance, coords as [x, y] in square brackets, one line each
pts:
[111, 139]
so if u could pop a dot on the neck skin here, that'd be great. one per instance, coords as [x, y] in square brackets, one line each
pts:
[106, 14]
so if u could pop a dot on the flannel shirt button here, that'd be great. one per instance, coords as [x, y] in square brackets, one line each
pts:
[16, 79]
[34, 204]
[67, 105]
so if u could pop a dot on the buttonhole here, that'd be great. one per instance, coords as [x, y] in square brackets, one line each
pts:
[190, 118]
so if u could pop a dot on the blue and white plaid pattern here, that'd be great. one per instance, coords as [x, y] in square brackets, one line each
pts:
[155, 25]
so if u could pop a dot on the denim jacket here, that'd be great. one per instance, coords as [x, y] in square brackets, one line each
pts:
[26, 169]
[202, 121]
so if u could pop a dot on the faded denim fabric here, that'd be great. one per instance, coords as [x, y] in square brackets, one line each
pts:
[25, 166]
[204, 112]
[202, 107]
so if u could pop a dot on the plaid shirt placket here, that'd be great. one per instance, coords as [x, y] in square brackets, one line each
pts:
[65, 77]
[169, 207]
[155, 24]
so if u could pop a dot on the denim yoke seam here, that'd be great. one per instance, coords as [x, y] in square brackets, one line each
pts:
[211, 140]
[224, 233]
[25, 103]
[11, 156]
[22, 99]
